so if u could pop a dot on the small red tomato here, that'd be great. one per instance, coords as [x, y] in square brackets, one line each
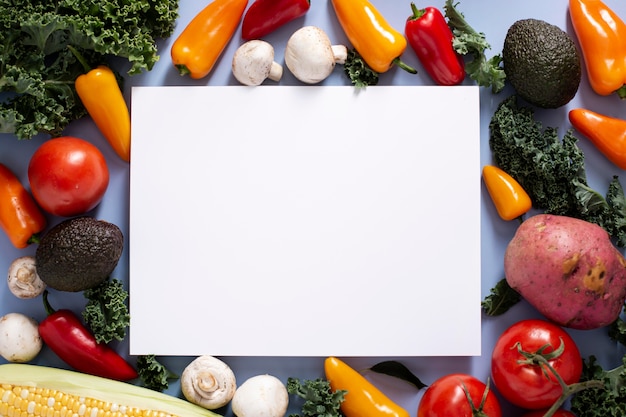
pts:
[447, 397]
[68, 176]
[524, 382]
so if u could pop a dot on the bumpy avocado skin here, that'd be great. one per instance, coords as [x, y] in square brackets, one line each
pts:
[542, 63]
[79, 253]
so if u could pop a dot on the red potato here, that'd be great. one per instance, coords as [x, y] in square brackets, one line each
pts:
[568, 269]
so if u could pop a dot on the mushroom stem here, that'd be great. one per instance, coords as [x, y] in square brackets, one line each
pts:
[340, 52]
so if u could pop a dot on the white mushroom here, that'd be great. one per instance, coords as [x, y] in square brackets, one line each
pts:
[208, 382]
[311, 57]
[23, 280]
[253, 63]
[261, 396]
[19, 338]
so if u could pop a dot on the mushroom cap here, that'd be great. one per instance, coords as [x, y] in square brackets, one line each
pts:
[20, 340]
[208, 382]
[309, 55]
[253, 62]
[261, 396]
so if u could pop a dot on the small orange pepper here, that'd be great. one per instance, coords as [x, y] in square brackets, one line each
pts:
[378, 43]
[362, 399]
[510, 199]
[196, 50]
[20, 217]
[608, 134]
[602, 37]
[101, 95]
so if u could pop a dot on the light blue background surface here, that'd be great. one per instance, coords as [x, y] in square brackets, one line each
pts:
[493, 17]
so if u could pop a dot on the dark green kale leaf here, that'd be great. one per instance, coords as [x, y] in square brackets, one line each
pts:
[608, 401]
[319, 399]
[153, 374]
[106, 312]
[359, 73]
[467, 41]
[500, 299]
[37, 71]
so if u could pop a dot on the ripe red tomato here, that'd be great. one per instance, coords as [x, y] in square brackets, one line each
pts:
[529, 385]
[446, 397]
[68, 176]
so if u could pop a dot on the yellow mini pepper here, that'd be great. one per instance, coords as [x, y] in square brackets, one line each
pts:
[362, 399]
[510, 199]
[196, 50]
[378, 43]
[101, 95]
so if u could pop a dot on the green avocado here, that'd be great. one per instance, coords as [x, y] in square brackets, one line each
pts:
[79, 253]
[542, 63]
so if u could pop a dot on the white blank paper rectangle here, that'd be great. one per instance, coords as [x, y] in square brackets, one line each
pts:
[305, 221]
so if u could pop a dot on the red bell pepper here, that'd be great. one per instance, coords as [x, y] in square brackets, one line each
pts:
[265, 16]
[66, 336]
[430, 37]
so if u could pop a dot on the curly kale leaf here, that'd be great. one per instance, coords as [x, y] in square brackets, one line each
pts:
[106, 312]
[37, 71]
[608, 401]
[467, 41]
[359, 73]
[319, 399]
[153, 374]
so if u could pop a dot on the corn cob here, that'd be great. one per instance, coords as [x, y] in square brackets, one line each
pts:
[33, 390]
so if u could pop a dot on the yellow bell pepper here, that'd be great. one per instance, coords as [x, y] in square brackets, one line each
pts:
[102, 97]
[510, 199]
[378, 43]
[362, 399]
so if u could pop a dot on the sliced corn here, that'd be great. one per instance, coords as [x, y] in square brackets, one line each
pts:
[39, 391]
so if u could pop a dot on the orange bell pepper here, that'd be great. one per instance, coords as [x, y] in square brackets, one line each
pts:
[608, 134]
[362, 399]
[20, 217]
[602, 37]
[196, 50]
[510, 199]
[378, 43]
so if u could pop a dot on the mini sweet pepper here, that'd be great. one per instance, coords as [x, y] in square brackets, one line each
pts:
[602, 37]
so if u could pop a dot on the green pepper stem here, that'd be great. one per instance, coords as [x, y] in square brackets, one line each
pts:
[80, 58]
[46, 304]
[404, 66]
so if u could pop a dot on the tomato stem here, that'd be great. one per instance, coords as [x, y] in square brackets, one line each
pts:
[476, 412]
[541, 360]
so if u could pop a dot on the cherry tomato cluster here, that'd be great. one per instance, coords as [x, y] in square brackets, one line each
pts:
[531, 364]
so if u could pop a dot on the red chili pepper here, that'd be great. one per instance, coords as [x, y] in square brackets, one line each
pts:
[265, 16]
[430, 37]
[66, 336]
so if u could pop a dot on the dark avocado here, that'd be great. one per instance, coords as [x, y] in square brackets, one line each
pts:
[542, 63]
[79, 253]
